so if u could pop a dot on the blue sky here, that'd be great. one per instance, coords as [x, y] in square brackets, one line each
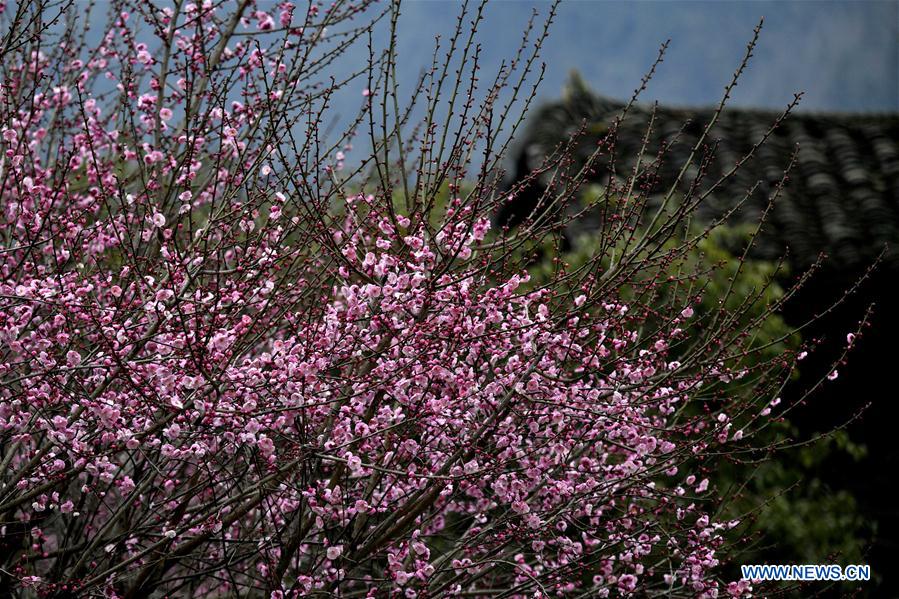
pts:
[843, 54]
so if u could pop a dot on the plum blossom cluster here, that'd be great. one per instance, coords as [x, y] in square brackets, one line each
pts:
[223, 371]
[415, 410]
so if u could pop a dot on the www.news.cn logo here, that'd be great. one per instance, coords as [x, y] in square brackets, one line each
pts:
[804, 572]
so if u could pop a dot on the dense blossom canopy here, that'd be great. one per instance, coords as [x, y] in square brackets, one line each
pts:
[224, 369]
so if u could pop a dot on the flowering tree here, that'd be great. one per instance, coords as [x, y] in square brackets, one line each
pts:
[232, 365]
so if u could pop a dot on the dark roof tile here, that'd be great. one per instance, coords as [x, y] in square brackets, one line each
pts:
[843, 193]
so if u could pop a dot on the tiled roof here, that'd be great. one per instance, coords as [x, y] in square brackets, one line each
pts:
[842, 197]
